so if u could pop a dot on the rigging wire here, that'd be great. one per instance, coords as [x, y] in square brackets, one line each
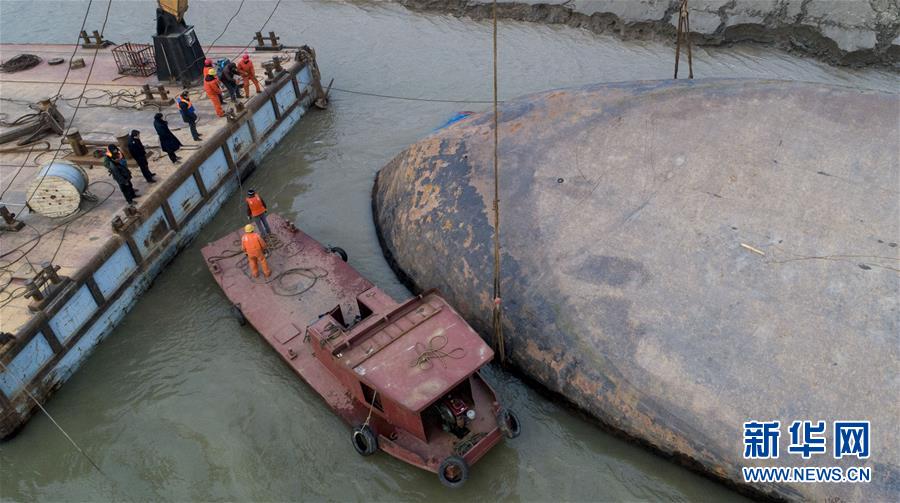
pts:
[261, 28]
[407, 98]
[213, 44]
[498, 312]
[75, 48]
[80, 97]
[60, 428]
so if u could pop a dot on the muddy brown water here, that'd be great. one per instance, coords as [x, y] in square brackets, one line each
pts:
[180, 403]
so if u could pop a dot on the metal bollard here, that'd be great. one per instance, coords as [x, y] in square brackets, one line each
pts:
[77, 144]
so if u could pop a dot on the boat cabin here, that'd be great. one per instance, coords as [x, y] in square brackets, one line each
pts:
[409, 363]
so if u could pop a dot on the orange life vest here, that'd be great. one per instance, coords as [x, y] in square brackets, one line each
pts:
[256, 206]
[212, 87]
[252, 244]
[180, 99]
[246, 68]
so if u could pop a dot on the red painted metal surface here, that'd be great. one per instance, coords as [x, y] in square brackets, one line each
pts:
[363, 352]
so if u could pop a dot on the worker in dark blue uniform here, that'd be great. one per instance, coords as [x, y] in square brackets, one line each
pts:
[168, 142]
[139, 154]
[188, 114]
[118, 168]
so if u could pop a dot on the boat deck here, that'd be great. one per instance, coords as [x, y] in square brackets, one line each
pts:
[307, 283]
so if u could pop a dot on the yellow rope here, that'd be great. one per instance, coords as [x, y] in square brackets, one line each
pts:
[498, 317]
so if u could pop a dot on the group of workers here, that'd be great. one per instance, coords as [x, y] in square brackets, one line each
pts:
[253, 244]
[233, 75]
[114, 160]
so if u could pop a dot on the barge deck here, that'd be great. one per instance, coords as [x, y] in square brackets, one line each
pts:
[107, 254]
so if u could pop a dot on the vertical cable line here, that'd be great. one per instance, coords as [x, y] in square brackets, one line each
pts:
[498, 313]
[78, 104]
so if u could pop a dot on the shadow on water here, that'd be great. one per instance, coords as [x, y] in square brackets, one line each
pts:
[181, 403]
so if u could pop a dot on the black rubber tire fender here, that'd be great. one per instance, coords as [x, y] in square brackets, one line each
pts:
[459, 472]
[509, 424]
[364, 441]
[339, 252]
[238, 314]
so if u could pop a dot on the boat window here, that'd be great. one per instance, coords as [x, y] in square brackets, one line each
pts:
[369, 394]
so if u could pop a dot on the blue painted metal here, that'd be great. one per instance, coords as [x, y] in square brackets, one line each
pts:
[65, 170]
[25, 365]
[240, 142]
[78, 309]
[185, 198]
[263, 119]
[285, 97]
[151, 232]
[287, 122]
[304, 78]
[110, 276]
[453, 120]
[213, 169]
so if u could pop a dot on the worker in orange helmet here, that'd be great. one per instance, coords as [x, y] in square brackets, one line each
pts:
[256, 249]
[248, 72]
[207, 64]
[256, 208]
[213, 91]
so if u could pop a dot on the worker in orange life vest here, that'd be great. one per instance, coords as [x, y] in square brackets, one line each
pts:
[255, 247]
[213, 91]
[256, 208]
[248, 72]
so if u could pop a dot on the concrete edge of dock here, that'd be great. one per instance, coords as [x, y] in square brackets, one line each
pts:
[54, 343]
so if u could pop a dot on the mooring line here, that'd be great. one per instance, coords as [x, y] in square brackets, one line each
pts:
[60, 428]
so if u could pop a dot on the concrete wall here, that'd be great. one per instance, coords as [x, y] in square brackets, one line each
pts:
[61, 336]
[844, 32]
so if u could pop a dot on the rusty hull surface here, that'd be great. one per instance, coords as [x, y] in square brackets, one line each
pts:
[386, 358]
[626, 286]
[379, 350]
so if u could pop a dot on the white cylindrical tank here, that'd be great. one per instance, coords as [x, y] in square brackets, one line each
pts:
[57, 188]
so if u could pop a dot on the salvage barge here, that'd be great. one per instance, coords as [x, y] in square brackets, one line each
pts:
[404, 375]
[100, 259]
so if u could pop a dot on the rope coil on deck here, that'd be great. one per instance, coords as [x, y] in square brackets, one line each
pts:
[20, 63]
[435, 351]
[464, 446]
[277, 281]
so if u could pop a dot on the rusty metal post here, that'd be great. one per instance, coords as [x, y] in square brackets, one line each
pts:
[32, 291]
[98, 38]
[50, 272]
[273, 39]
[259, 40]
[85, 39]
[77, 144]
[148, 93]
[163, 94]
[9, 219]
[267, 67]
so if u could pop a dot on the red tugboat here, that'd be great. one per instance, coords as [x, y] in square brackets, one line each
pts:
[404, 375]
